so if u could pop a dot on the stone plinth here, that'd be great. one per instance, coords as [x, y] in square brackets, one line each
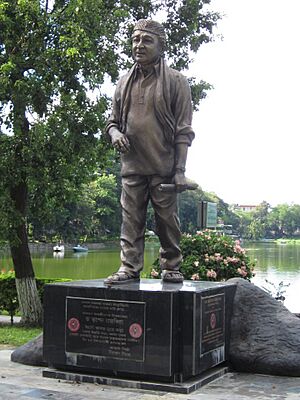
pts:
[147, 330]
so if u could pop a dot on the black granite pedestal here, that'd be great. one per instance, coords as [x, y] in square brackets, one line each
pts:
[139, 332]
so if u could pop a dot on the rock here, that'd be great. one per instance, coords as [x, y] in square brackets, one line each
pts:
[265, 336]
[31, 353]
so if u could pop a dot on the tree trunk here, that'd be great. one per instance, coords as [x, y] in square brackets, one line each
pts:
[30, 304]
[29, 301]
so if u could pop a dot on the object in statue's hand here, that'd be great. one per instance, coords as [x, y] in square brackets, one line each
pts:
[171, 187]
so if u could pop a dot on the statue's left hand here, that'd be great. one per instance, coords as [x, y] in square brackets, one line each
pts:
[119, 140]
[180, 182]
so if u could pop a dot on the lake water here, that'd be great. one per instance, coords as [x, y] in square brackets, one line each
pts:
[275, 263]
[278, 263]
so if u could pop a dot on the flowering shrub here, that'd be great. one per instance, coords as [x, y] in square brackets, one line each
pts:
[210, 256]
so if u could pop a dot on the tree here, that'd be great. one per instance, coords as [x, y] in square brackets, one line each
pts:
[284, 220]
[244, 220]
[258, 226]
[52, 55]
[107, 212]
[188, 205]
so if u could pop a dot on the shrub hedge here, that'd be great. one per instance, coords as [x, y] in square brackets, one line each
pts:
[8, 293]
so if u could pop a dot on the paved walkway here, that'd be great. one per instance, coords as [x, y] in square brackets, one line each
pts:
[6, 319]
[18, 381]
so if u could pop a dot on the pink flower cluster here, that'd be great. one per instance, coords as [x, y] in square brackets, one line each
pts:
[195, 277]
[154, 273]
[233, 260]
[242, 271]
[211, 274]
[238, 249]
[216, 257]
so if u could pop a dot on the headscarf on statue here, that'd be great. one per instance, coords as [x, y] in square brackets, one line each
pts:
[162, 95]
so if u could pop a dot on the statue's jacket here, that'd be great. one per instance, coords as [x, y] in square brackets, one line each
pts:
[155, 113]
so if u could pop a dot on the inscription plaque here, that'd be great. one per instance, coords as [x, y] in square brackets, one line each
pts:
[213, 322]
[105, 328]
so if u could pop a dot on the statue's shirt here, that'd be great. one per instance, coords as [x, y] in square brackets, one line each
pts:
[151, 153]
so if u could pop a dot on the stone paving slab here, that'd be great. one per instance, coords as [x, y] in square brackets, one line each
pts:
[5, 319]
[18, 381]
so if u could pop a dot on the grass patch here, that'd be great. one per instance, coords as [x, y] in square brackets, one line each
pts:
[17, 335]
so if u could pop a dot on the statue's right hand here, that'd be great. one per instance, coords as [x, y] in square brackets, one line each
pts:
[119, 141]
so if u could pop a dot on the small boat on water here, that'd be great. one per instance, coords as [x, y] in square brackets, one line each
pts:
[282, 241]
[59, 248]
[80, 249]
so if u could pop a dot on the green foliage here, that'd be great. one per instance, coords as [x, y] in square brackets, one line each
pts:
[189, 24]
[282, 220]
[211, 256]
[91, 212]
[106, 198]
[188, 204]
[199, 91]
[8, 293]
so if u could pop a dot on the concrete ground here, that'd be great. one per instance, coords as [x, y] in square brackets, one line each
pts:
[18, 381]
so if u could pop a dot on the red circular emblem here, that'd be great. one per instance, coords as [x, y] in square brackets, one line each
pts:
[213, 320]
[74, 324]
[135, 330]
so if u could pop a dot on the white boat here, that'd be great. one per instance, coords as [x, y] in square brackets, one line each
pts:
[59, 248]
[80, 249]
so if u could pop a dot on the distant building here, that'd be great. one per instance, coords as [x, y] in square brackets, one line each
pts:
[245, 208]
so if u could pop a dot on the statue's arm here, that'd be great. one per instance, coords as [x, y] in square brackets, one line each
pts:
[119, 141]
[184, 133]
[181, 150]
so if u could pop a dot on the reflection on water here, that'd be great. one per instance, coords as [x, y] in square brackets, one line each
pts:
[275, 263]
[278, 263]
[59, 254]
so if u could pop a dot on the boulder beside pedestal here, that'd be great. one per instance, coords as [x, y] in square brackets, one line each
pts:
[265, 336]
[31, 353]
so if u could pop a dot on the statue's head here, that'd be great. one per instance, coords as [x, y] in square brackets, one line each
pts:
[148, 41]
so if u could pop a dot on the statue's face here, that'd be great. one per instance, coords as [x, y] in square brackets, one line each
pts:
[145, 47]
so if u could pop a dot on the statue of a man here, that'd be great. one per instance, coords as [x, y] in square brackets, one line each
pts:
[150, 125]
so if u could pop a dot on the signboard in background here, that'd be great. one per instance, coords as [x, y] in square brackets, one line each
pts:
[207, 215]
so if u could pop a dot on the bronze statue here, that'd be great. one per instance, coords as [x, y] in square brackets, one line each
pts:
[150, 125]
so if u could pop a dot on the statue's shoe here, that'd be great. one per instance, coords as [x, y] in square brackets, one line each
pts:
[120, 277]
[171, 276]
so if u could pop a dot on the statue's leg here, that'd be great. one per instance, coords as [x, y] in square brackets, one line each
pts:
[167, 225]
[134, 201]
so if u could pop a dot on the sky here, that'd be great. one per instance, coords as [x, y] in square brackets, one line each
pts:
[247, 141]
